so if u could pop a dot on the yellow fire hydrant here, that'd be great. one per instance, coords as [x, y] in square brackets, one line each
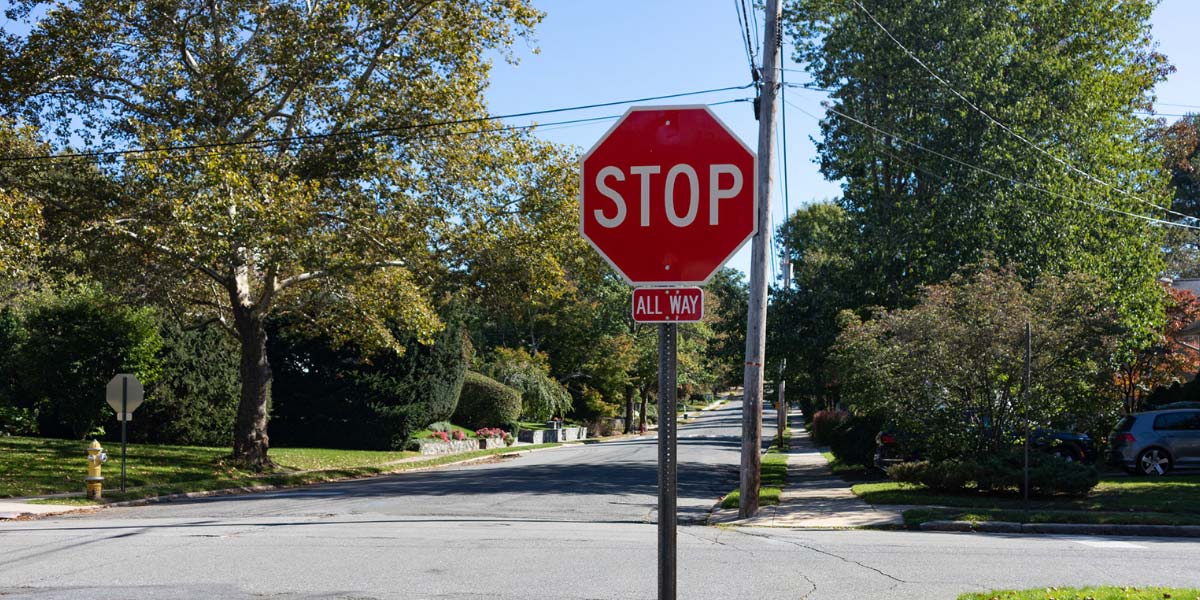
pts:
[95, 481]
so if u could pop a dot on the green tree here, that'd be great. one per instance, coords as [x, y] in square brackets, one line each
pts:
[819, 239]
[334, 226]
[950, 370]
[1180, 143]
[917, 213]
[541, 396]
[727, 298]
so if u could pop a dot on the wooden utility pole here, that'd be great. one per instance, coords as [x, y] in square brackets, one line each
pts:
[756, 321]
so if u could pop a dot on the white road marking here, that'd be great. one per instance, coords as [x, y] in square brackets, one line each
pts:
[1109, 544]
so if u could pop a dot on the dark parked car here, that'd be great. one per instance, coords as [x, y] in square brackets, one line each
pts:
[890, 447]
[1154, 442]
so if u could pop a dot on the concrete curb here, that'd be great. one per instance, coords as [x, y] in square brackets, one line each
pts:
[253, 489]
[1063, 528]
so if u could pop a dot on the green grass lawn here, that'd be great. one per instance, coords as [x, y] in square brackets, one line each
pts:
[852, 471]
[1131, 500]
[38, 466]
[915, 517]
[774, 478]
[1091, 593]
[1174, 494]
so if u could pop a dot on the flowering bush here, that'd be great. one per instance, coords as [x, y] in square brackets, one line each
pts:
[491, 432]
[441, 435]
[458, 435]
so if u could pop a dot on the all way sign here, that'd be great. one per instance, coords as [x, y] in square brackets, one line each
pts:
[668, 305]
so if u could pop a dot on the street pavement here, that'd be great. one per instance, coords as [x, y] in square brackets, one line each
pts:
[570, 523]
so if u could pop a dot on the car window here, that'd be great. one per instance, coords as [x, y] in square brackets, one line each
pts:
[1193, 422]
[1173, 421]
[1126, 424]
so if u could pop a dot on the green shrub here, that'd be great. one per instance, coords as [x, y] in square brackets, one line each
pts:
[74, 341]
[1048, 474]
[592, 407]
[945, 476]
[486, 402]
[823, 424]
[853, 440]
[195, 400]
[909, 472]
[342, 397]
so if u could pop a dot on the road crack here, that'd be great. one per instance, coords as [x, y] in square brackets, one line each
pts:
[826, 553]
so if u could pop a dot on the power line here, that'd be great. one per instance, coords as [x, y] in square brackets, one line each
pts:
[1006, 128]
[549, 126]
[757, 36]
[992, 173]
[739, 7]
[809, 86]
[376, 132]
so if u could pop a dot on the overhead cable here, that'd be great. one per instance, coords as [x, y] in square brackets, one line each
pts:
[992, 173]
[373, 132]
[1004, 127]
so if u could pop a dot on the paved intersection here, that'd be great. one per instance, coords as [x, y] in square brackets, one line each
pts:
[569, 523]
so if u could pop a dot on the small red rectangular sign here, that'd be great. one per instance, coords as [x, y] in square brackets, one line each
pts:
[668, 305]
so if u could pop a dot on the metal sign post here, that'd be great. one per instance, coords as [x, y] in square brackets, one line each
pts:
[633, 182]
[124, 421]
[124, 393]
[667, 460]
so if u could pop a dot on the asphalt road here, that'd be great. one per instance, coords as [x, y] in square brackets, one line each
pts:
[568, 523]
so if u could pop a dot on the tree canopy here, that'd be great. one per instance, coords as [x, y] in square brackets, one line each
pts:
[314, 133]
[1025, 146]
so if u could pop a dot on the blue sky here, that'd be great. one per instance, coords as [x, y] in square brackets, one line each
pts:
[601, 50]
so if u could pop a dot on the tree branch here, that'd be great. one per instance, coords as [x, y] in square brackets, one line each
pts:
[311, 275]
[160, 248]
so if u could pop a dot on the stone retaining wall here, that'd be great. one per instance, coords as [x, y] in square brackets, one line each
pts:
[436, 447]
[546, 436]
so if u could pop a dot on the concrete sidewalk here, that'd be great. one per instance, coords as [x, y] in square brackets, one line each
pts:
[10, 509]
[814, 497]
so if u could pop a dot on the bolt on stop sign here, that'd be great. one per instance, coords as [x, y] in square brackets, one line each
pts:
[668, 195]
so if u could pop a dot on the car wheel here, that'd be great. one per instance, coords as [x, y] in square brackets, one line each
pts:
[1153, 461]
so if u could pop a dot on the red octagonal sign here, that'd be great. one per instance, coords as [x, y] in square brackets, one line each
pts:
[668, 195]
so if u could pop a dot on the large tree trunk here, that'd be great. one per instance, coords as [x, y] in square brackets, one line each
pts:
[250, 441]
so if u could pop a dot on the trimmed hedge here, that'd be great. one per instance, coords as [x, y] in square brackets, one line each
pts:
[1048, 474]
[485, 402]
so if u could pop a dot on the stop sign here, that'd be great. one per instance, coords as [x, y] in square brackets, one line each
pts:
[668, 195]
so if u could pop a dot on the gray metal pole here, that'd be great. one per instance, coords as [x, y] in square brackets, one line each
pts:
[124, 419]
[1028, 372]
[782, 414]
[667, 460]
[756, 317]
